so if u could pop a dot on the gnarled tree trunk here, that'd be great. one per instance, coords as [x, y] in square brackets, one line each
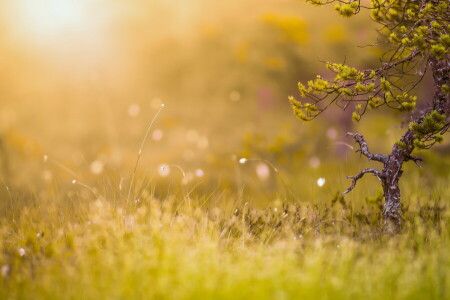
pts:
[392, 164]
[392, 170]
[390, 181]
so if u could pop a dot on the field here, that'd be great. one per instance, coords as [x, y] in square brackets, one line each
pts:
[151, 153]
[59, 243]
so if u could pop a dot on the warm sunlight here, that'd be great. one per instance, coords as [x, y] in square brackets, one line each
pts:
[237, 149]
[51, 17]
[67, 34]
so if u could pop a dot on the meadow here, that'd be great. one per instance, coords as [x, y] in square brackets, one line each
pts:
[151, 153]
[62, 244]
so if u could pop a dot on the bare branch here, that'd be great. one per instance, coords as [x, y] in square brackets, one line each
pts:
[359, 175]
[365, 150]
[415, 159]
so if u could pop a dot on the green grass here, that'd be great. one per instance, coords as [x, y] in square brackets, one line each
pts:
[218, 246]
[228, 234]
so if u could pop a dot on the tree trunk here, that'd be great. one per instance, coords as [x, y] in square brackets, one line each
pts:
[392, 170]
[391, 173]
[390, 176]
[441, 76]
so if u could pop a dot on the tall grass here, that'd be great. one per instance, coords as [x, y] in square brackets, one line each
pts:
[84, 246]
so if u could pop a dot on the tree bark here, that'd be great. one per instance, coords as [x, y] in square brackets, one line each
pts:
[390, 176]
[441, 75]
[392, 170]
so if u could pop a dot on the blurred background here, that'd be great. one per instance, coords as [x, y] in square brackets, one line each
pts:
[81, 80]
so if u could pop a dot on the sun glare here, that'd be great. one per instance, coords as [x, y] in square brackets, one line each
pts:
[51, 17]
[65, 32]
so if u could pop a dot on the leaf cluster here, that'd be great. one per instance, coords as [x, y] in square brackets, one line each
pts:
[428, 132]
[414, 31]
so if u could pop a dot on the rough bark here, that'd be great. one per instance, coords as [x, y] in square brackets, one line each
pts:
[392, 170]
[391, 173]
[392, 164]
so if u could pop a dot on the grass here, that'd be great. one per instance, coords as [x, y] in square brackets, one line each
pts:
[94, 222]
[224, 234]
[78, 245]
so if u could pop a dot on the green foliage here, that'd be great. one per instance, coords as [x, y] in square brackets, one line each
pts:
[414, 31]
[438, 50]
[401, 145]
[347, 9]
[356, 117]
[427, 132]
[315, 2]
[304, 112]
[351, 84]
[416, 28]
[445, 89]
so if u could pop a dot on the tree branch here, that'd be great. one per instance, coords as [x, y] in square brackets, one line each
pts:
[415, 159]
[359, 175]
[365, 150]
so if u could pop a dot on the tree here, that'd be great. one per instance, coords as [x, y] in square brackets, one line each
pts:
[415, 38]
